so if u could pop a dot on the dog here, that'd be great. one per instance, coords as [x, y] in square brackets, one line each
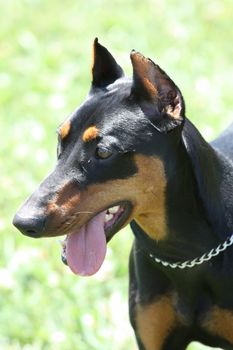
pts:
[128, 155]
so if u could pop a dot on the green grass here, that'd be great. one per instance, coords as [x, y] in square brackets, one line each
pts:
[45, 54]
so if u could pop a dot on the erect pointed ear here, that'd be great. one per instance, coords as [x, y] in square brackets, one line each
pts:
[158, 96]
[105, 70]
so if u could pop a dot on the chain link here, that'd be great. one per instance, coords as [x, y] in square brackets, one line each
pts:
[197, 261]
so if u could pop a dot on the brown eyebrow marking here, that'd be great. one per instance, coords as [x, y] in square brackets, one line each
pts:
[90, 133]
[64, 129]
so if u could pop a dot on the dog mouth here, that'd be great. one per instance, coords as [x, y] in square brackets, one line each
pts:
[84, 250]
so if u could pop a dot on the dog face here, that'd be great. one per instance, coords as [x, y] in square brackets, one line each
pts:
[110, 168]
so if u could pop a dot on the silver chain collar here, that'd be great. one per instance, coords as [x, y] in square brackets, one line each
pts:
[197, 261]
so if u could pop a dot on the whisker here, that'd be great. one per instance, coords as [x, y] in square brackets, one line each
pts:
[71, 220]
[84, 212]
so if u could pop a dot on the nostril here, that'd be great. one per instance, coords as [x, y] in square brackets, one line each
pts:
[30, 226]
[32, 233]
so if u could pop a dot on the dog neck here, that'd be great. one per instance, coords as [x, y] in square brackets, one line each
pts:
[197, 217]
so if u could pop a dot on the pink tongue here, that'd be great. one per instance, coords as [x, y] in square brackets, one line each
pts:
[86, 249]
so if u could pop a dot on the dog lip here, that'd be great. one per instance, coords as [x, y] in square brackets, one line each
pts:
[124, 204]
[111, 231]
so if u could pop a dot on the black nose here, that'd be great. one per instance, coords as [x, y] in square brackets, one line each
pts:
[30, 226]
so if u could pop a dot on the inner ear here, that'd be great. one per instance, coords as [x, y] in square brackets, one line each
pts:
[105, 69]
[157, 94]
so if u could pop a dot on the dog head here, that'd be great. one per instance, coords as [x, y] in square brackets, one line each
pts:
[110, 167]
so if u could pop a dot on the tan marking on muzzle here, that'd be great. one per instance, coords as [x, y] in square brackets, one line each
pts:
[145, 191]
[66, 199]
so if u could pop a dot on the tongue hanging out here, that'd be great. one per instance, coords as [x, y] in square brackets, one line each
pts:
[86, 249]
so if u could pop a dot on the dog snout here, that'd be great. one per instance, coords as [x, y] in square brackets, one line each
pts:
[32, 226]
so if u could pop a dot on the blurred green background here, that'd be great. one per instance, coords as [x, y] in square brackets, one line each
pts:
[45, 55]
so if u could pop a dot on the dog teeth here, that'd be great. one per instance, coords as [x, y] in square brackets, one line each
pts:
[108, 217]
[114, 210]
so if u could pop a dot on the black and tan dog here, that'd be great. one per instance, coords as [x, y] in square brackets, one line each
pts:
[128, 155]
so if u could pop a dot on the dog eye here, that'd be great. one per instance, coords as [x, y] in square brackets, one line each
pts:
[103, 153]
